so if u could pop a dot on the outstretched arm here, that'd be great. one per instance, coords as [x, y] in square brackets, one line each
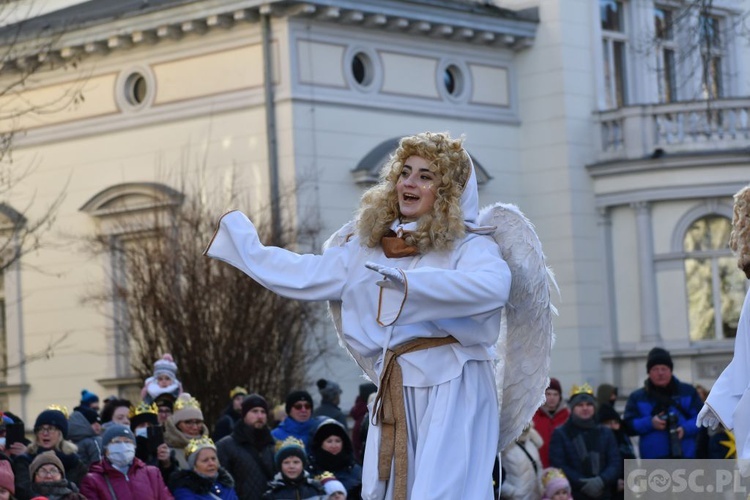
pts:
[303, 277]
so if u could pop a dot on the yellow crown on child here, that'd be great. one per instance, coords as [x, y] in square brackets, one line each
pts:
[325, 476]
[198, 444]
[581, 389]
[237, 391]
[186, 402]
[290, 441]
[62, 409]
[550, 474]
[142, 408]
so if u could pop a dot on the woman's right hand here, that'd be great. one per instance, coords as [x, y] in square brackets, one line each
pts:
[17, 449]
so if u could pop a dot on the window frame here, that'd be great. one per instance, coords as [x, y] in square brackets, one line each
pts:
[611, 74]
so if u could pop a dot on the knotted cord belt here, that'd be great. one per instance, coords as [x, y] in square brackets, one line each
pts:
[390, 412]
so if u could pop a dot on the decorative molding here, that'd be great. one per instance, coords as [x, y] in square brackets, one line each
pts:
[669, 193]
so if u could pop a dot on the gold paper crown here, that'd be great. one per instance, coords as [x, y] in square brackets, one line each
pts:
[197, 444]
[62, 409]
[236, 391]
[552, 473]
[290, 441]
[186, 401]
[143, 408]
[325, 476]
[581, 389]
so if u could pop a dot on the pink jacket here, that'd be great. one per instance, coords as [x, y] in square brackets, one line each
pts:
[143, 481]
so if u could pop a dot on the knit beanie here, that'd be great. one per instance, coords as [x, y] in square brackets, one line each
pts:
[553, 480]
[296, 396]
[253, 401]
[332, 485]
[114, 431]
[48, 457]
[186, 407]
[166, 366]
[581, 394]
[658, 356]
[327, 428]
[328, 389]
[88, 397]
[91, 415]
[7, 478]
[554, 384]
[290, 447]
[52, 417]
[194, 446]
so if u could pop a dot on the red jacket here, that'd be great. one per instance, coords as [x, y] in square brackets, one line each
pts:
[143, 482]
[544, 423]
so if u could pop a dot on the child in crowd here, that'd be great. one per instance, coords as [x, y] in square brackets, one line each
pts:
[163, 381]
[293, 481]
[556, 485]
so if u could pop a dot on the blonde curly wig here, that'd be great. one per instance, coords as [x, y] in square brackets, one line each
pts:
[441, 227]
[739, 239]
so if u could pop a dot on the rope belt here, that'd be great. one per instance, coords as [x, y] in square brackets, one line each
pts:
[390, 412]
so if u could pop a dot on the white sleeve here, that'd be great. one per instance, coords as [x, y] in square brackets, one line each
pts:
[479, 285]
[303, 277]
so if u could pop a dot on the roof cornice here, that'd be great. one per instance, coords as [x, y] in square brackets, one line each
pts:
[438, 19]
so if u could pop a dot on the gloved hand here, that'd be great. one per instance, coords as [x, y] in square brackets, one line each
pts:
[593, 486]
[392, 277]
[707, 418]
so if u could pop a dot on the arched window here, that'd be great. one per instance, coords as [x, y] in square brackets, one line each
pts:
[715, 287]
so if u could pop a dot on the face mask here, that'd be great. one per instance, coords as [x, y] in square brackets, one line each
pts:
[121, 454]
[142, 432]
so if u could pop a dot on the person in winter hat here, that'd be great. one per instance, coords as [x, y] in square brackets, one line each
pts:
[121, 472]
[48, 478]
[331, 451]
[89, 400]
[186, 423]
[163, 381]
[333, 487]
[7, 479]
[232, 414]
[548, 417]
[585, 451]
[299, 422]
[206, 478]
[248, 452]
[84, 427]
[523, 467]
[50, 434]
[330, 398]
[292, 480]
[555, 484]
[663, 403]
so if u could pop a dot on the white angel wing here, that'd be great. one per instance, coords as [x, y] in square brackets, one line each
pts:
[339, 238]
[525, 342]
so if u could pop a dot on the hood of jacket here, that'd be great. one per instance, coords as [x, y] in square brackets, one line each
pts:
[79, 428]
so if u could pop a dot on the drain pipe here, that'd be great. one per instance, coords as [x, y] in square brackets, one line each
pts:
[271, 138]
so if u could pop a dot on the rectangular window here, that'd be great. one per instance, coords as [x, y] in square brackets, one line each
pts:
[665, 54]
[711, 57]
[614, 49]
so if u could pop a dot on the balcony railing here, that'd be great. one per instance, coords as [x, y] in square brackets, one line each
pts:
[642, 131]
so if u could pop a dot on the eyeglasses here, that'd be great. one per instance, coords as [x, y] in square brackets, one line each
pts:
[47, 429]
[194, 423]
[49, 472]
[302, 406]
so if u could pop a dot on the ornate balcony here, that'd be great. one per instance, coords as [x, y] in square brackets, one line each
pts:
[651, 130]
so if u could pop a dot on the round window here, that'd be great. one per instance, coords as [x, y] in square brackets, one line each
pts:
[136, 89]
[362, 69]
[453, 80]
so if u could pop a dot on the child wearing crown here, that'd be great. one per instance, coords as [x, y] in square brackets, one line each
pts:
[293, 480]
[555, 485]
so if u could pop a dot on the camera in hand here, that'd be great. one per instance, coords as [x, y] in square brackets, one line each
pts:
[675, 446]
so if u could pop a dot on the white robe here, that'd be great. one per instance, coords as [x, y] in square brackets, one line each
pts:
[730, 395]
[450, 391]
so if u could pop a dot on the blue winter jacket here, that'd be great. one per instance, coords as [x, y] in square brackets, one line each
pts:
[643, 404]
[300, 430]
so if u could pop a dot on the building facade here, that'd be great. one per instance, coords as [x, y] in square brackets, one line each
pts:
[587, 115]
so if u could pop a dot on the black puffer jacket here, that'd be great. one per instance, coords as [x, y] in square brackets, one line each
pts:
[247, 454]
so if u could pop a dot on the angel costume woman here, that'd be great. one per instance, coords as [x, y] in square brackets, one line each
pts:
[729, 399]
[417, 293]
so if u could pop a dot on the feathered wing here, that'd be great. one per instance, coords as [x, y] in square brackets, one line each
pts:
[339, 238]
[525, 343]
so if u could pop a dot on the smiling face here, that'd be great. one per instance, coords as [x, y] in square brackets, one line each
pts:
[416, 188]
[291, 467]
